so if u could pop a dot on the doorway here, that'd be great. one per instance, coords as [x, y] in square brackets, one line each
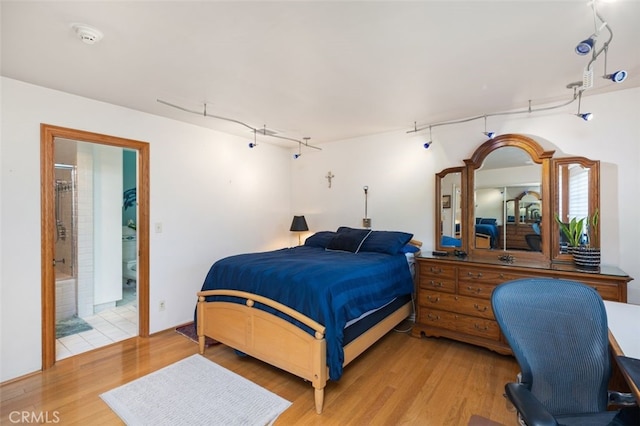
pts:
[55, 226]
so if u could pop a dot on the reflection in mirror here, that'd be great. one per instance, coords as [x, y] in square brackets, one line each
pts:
[450, 211]
[576, 198]
[507, 201]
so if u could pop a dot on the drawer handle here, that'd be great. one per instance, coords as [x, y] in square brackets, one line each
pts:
[484, 308]
[475, 276]
[433, 317]
[435, 284]
[435, 270]
[433, 299]
[479, 328]
[476, 290]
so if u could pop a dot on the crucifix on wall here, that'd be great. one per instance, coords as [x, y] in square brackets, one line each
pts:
[329, 176]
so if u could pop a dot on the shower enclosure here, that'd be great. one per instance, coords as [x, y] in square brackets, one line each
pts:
[66, 235]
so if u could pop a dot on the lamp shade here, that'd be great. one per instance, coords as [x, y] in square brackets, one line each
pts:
[299, 224]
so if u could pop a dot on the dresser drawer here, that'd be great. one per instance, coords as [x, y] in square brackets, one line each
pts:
[476, 289]
[480, 283]
[469, 325]
[458, 304]
[434, 270]
[486, 276]
[444, 284]
[607, 291]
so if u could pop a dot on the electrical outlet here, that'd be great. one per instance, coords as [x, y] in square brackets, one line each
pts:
[162, 305]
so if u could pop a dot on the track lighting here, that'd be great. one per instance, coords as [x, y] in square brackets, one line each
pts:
[586, 116]
[254, 143]
[430, 141]
[299, 154]
[585, 46]
[490, 135]
[616, 77]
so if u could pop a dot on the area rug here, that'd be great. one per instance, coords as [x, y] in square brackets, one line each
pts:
[189, 331]
[69, 326]
[194, 391]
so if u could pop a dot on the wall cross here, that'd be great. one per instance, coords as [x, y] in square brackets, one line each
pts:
[329, 176]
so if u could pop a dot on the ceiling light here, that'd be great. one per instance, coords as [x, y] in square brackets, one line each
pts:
[490, 135]
[616, 77]
[87, 34]
[430, 141]
[585, 46]
[254, 143]
[586, 116]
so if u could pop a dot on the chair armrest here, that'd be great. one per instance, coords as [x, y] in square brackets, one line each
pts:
[531, 410]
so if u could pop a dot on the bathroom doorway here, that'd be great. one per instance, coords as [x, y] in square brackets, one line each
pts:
[93, 216]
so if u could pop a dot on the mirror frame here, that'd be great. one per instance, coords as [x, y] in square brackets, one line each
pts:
[463, 207]
[594, 200]
[539, 156]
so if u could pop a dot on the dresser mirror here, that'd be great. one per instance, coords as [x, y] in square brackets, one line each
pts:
[508, 202]
[450, 208]
[577, 195]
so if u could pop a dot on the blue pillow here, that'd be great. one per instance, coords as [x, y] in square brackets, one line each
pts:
[349, 240]
[320, 239]
[409, 248]
[389, 242]
[488, 221]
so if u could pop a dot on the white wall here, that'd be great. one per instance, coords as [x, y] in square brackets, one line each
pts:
[400, 173]
[213, 195]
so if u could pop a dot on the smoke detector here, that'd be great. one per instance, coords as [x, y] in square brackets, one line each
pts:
[87, 34]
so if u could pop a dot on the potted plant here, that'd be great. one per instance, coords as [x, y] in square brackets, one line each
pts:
[580, 233]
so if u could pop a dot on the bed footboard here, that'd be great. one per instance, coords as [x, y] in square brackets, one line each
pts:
[256, 333]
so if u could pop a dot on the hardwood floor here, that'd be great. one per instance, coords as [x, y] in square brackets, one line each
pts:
[400, 380]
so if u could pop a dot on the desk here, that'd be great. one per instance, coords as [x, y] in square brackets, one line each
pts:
[624, 334]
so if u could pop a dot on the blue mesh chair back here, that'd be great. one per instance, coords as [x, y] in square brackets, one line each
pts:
[558, 333]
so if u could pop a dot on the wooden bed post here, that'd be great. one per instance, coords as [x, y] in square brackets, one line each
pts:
[321, 371]
[200, 328]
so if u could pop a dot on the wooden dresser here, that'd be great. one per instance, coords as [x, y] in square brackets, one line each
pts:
[454, 295]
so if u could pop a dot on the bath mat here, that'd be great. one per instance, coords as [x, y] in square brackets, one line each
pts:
[69, 326]
[194, 391]
[189, 331]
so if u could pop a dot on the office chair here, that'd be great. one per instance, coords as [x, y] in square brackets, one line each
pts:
[558, 333]
[534, 241]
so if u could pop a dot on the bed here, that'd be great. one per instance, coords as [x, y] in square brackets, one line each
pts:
[488, 227]
[310, 310]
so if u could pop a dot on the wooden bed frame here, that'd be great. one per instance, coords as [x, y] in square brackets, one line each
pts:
[278, 342]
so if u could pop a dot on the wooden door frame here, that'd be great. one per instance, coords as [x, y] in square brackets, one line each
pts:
[48, 133]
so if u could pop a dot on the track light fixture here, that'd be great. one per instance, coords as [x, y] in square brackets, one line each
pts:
[254, 143]
[586, 116]
[616, 77]
[430, 141]
[299, 154]
[490, 135]
[585, 46]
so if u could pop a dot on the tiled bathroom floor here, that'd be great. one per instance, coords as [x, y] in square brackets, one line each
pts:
[109, 326]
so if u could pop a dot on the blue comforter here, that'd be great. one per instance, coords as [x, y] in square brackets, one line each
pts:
[331, 287]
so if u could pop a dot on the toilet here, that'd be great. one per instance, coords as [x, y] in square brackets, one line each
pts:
[129, 258]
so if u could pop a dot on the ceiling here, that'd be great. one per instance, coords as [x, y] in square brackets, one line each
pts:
[327, 70]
